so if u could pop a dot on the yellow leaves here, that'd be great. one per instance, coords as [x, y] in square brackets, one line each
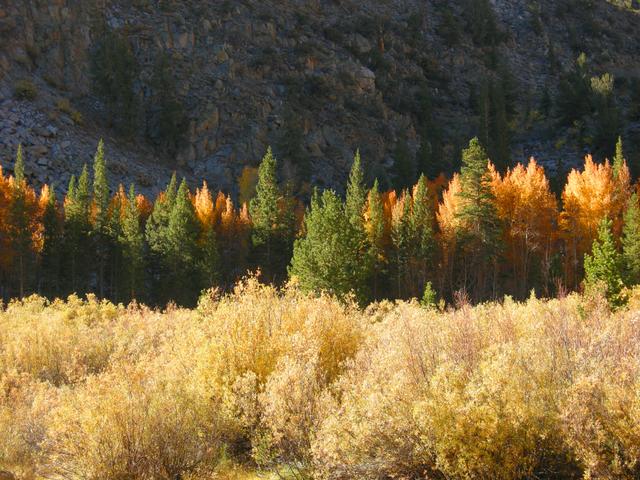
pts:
[498, 391]
[528, 209]
[448, 209]
[588, 197]
[204, 207]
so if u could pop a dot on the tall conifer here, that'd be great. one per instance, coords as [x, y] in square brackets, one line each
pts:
[603, 267]
[132, 244]
[328, 257]
[631, 242]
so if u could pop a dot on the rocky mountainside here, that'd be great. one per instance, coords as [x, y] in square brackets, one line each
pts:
[399, 79]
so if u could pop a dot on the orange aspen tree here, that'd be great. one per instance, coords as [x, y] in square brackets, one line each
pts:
[207, 241]
[447, 219]
[25, 230]
[6, 254]
[588, 197]
[529, 210]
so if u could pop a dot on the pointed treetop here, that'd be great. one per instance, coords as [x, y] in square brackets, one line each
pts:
[132, 195]
[474, 158]
[356, 192]
[84, 185]
[603, 268]
[263, 207]
[100, 183]
[618, 160]
[18, 168]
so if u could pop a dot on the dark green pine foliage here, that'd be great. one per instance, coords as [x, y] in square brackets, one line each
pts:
[328, 258]
[356, 194]
[618, 159]
[131, 240]
[271, 216]
[103, 240]
[375, 239]
[184, 278]
[19, 233]
[77, 234]
[631, 242]
[480, 229]
[51, 256]
[603, 267]
[424, 243]
[355, 203]
[403, 237]
[156, 234]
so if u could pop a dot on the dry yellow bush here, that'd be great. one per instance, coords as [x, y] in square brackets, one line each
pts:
[312, 387]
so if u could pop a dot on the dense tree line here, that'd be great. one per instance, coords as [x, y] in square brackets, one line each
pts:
[479, 235]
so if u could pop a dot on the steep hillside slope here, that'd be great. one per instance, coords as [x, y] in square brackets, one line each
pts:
[205, 86]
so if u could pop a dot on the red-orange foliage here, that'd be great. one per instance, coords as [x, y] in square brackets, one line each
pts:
[529, 210]
[589, 196]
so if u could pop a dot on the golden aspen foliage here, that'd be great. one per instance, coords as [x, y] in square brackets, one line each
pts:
[588, 197]
[529, 210]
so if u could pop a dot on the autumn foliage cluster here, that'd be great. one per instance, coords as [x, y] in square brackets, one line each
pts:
[480, 235]
[308, 386]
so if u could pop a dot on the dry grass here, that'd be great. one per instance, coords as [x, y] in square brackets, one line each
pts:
[268, 384]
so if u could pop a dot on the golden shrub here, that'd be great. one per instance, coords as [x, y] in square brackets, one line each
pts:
[309, 387]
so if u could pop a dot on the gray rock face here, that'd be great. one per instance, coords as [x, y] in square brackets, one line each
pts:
[352, 72]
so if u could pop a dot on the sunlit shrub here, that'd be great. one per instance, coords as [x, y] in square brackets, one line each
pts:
[310, 387]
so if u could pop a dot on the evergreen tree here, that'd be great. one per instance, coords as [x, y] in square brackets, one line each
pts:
[132, 244]
[18, 167]
[157, 236]
[158, 223]
[403, 236]
[618, 159]
[631, 242]
[102, 240]
[52, 246]
[270, 214]
[19, 219]
[182, 255]
[603, 268]
[328, 258]
[76, 231]
[356, 194]
[375, 239]
[479, 231]
[428, 297]
[424, 243]
[210, 258]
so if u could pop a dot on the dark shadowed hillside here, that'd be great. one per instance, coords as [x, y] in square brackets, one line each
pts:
[205, 86]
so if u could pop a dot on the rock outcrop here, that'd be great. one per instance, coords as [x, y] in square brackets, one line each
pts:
[352, 72]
